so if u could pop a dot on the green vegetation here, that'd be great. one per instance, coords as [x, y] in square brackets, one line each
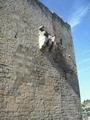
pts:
[86, 107]
[88, 114]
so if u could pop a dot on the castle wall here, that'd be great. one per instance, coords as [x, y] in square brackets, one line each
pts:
[34, 84]
[70, 97]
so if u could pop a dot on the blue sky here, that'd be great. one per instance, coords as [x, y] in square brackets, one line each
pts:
[77, 14]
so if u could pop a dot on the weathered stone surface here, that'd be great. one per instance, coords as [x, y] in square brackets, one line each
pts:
[36, 84]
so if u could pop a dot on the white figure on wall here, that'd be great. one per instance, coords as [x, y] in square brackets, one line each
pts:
[45, 39]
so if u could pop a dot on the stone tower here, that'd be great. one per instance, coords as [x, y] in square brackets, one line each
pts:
[38, 76]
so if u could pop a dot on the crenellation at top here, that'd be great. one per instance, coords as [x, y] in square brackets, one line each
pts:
[53, 14]
[41, 5]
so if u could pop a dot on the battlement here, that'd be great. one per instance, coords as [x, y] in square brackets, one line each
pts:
[55, 16]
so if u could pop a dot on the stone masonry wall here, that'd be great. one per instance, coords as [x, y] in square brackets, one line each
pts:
[35, 84]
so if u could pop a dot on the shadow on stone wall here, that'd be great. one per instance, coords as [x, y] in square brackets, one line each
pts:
[57, 59]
